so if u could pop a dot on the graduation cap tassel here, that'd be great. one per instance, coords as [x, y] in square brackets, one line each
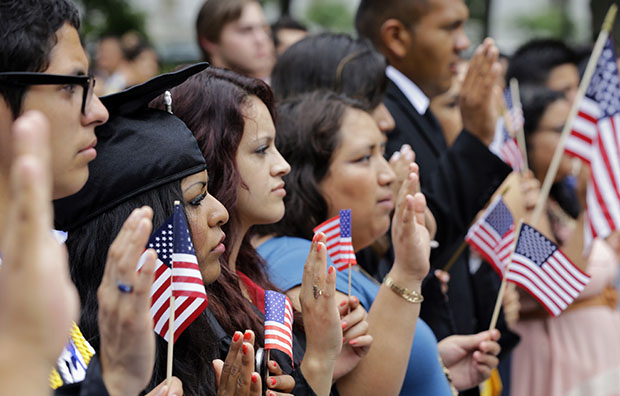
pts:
[168, 101]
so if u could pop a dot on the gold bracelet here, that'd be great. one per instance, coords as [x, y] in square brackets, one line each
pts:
[410, 295]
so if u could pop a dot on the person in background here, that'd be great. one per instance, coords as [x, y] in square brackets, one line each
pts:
[233, 34]
[546, 62]
[578, 352]
[286, 31]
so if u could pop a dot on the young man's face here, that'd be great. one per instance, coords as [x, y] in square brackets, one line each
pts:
[245, 45]
[437, 40]
[72, 133]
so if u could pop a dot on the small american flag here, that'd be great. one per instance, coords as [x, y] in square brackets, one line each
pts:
[337, 232]
[504, 145]
[493, 235]
[175, 258]
[595, 138]
[541, 268]
[278, 322]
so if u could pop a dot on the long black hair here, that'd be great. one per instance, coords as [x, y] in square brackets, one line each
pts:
[88, 248]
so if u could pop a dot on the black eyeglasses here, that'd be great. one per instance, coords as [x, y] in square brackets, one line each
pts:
[32, 78]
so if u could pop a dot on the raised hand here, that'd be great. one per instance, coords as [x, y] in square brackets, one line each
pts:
[410, 238]
[356, 340]
[400, 162]
[38, 298]
[127, 350]
[470, 358]
[476, 99]
[321, 318]
[236, 376]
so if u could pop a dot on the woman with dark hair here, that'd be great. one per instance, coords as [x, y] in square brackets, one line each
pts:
[335, 62]
[232, 119]
[150, 158]
[578, 351]
[336, 156]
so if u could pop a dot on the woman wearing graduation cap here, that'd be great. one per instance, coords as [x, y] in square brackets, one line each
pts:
[148, 157]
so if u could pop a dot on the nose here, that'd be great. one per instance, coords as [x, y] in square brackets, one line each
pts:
[280, 166]
[385, 173]
[384, 118]
[95, 113]
[461, 41]
[218, 215]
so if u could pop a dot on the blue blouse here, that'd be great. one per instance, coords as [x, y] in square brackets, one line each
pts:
[285, 257]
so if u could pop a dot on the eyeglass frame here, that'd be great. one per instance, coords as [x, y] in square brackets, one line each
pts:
[34, 78]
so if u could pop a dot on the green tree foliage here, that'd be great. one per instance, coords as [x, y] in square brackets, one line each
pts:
[110, 17]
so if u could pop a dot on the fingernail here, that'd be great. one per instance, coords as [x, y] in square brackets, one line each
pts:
[356, 299]
[315, 238]
[254, 378]
[245, 349]
[395, 156]
[331, 269]
[343, 302]
[318, 247]
[236, 336]
[344, 324]
[272, 381]
[344, 340]
[247, 336]
[163, 391]
[353, 342]
[274, 364]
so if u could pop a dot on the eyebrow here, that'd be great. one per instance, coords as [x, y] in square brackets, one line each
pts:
[204, 184]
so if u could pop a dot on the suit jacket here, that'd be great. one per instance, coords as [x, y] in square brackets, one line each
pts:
[457, 182]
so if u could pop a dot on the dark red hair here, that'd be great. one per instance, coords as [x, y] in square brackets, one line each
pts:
[211, 103]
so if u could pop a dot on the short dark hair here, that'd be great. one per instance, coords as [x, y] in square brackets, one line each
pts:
[212, 17]
[308, 129]
[371, 14]
[285, 22]
[533, 61]
[335, 62]
[27, 35]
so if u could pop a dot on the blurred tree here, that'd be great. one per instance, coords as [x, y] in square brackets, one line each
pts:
[110, 17]
[480, 13]
[330, 14]
[553, 22]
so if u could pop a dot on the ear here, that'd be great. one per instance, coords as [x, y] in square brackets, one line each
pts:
[208, 45]
[395, 37]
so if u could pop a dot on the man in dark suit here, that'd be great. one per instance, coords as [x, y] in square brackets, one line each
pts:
[422, 40]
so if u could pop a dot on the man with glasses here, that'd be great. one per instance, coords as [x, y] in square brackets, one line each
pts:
[43, 67]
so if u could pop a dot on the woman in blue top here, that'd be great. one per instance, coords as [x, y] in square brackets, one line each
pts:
[336, 155]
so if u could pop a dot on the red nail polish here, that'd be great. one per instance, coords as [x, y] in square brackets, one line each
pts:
[344, 340]
[236, 337]
[274, 364]
[344, 325]
[247, 336]
[254, 378]
[319, 247]
[272, 381]
[331, 269]
[343, 302]
[245, 349]
[353, 342]
[315, 238]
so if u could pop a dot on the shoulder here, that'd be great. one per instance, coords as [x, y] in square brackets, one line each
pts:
[285, 258]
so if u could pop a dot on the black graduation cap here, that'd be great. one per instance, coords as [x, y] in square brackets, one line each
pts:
[138, 149]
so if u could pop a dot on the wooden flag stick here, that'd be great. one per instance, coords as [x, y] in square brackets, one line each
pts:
[171, 319]
[349, 280]
[170, 341]
[463, 244]
[516, 102]
[583, 86]
[502, 288]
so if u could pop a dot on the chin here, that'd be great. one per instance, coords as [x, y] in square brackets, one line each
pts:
[210, 272]
[71, 184]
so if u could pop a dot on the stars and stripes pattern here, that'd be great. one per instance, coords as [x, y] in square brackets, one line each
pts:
[278, 322]
[505, 145]
[544, 271]
[493, 235]
[177, 272]
[595, 138]
[339, 245]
